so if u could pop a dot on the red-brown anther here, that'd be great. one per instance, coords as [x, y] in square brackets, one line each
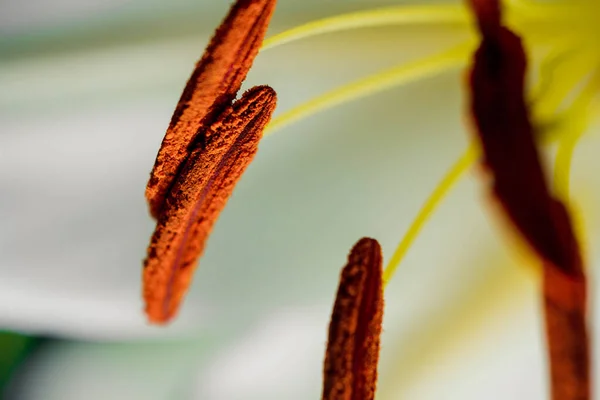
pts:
[350, 371]
[510, 151]
[566, 333]
[198, 196]
[211, 88]
[510, 154]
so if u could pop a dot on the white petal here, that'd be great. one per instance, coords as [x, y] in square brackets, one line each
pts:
[280, 358]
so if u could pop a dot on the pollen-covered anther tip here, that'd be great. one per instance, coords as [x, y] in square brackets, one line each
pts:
[211, 88]
[262, 97]
[350, 370]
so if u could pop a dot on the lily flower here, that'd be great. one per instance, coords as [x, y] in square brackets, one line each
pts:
[503, 124]
[535, 22]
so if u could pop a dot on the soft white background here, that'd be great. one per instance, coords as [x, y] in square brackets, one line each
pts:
[87, 90]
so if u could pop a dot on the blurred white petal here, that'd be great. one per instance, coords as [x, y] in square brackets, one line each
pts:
[279, 358]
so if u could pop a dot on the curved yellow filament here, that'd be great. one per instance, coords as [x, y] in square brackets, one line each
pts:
[556, 61]
[373, 84]
[371, 18]
[450, 179]
[562, 167]
[579, 115]
[521, 11]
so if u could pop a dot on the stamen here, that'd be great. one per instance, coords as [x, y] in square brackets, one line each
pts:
[197, 198]
[373, 84]
[210, 89]
[504, 128]
[399, 15]
[352, 355]
[207, 147]
[435, 198]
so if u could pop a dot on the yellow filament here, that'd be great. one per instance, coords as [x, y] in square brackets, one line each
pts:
[372, 84]
[564, 154]
[562, 167]
[520, 10]
[579, 114]
[571, 66]
[371, 18]
[536, 10]
[560, 127]
[550, 65]
[449, 180]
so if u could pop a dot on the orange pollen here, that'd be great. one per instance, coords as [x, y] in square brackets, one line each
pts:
[350, 370]
[210, 142]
